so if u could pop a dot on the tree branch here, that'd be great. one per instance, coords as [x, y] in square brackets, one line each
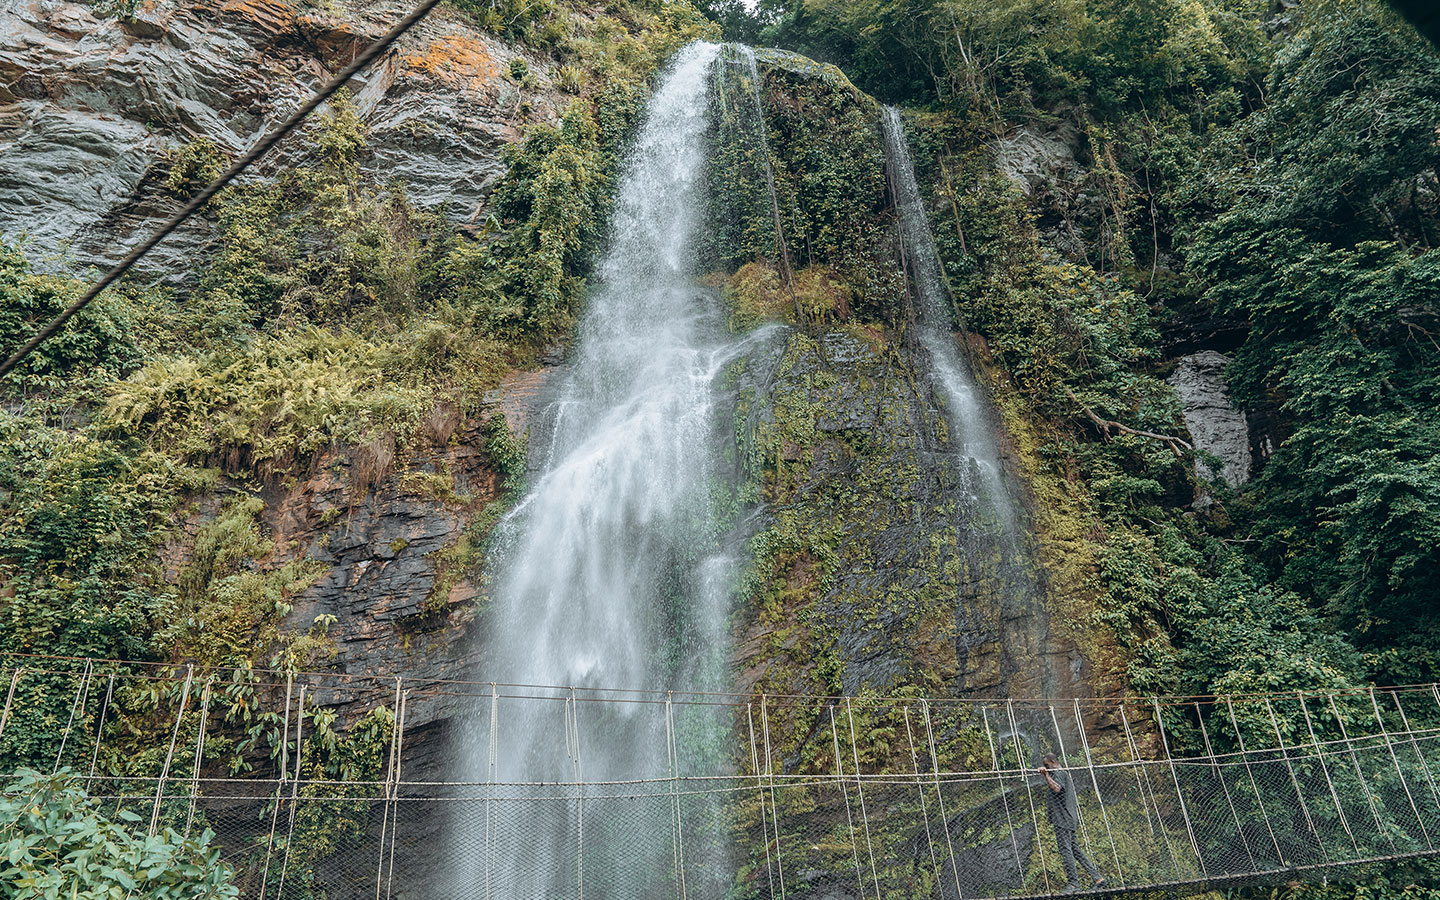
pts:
[1109, 426]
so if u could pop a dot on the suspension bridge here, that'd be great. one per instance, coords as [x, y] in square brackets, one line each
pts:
[341, 786]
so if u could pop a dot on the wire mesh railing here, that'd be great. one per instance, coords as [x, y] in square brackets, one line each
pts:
[320, 785]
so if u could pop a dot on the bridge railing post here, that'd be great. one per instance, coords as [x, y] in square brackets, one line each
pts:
[1004, 796]
[770, 778]
[860, 792]
[940, 795]
[845, 797]
[924, 803]
[1024, 769]
[388, 789]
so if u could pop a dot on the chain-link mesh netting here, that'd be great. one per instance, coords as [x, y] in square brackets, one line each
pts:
[331, 787]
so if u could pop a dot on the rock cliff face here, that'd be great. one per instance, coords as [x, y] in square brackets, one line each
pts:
[1212, 420]
[90, 106]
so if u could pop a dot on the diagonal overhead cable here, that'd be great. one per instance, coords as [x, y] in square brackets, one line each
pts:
[200, 199]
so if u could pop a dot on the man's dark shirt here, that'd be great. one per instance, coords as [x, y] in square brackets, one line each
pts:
[1064, 812]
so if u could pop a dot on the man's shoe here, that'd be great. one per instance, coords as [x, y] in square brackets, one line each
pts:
[1070, 889]
[1100, 882]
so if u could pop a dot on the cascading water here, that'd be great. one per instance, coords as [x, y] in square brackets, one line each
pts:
[994, 530]
[607, 574]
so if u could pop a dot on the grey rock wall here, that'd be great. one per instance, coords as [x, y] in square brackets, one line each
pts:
[1216, 426]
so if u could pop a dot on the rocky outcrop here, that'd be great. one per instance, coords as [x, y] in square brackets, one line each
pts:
[1215, 425]
[90, 105]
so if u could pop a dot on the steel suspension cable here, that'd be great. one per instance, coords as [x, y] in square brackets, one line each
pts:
[199, 200]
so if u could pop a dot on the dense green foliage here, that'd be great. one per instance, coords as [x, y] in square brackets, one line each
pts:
[56, 844]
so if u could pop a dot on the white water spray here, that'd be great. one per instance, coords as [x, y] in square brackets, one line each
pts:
[607, 572]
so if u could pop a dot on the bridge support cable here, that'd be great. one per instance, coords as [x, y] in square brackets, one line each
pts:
[860, 792]
[1024, 767]
[199, 200]
[199, 759]
[395, 791]
[1179, 792]
[170, 753]
[940, 795]
[82, 689]
[490, 778]
[672, 754]
[1225, 788]
[1143, 778]
[1325, 767]
[1295, 781]
[1004, 798]
[388, 789]
[294, 792]
[10, 698]
[1250, 771]
[1400, 772]
[279, 788]
[774, 807]
[1099, 795]
[845, 796]
[1419, 754]
[1360, 773]
[924, 804]
[1065, 761]
[760, 788]
[99, 730]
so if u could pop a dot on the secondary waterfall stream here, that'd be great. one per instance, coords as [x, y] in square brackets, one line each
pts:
[607, 574]
[995, 537]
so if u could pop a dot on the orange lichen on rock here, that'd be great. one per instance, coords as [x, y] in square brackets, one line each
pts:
[271, 15]
[457, 61]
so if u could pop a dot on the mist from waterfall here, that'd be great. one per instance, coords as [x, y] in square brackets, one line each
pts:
[608, 572]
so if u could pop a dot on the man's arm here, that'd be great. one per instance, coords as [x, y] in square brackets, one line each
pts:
[1054, 785]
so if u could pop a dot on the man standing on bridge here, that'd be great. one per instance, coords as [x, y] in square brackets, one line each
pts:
[1065, 818]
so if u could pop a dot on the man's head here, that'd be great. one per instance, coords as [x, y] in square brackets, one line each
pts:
[1049, 761]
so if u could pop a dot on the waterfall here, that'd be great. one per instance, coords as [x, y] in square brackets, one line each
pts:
[747, 54]
[607, 573]
[994, 531]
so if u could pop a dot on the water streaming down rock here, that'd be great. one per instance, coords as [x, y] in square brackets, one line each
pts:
[995, 536]
[607, 572]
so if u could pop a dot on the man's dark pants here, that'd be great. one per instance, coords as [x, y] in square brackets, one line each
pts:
[1069, 852]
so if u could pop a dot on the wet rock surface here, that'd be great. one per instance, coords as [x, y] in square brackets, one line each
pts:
[90, 105]
[914, 591]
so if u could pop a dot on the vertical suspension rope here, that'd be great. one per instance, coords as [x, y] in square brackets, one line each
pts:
[774, 807]
[1065, 761]
[1424, 763]
[1229, 801]
[1179, 792]
[860, 789]
[82, 690]
[673, 754]
[170, 754]
[1245, 755]
[490, 786]
[1142, 780]
[579, 799]
[845, 795]
[388, 789]
[1004, 797]
[1029, 791]
[1295, 780]
[940, 795]
[920, 788]
[1325, 767]
[100, 731]
[760, 789]
[279, 790]
[294, 793]
[1360, 773]
[1404, 782]
[199, 754]
[10, 698]
[1095, 782]
[395, 792]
